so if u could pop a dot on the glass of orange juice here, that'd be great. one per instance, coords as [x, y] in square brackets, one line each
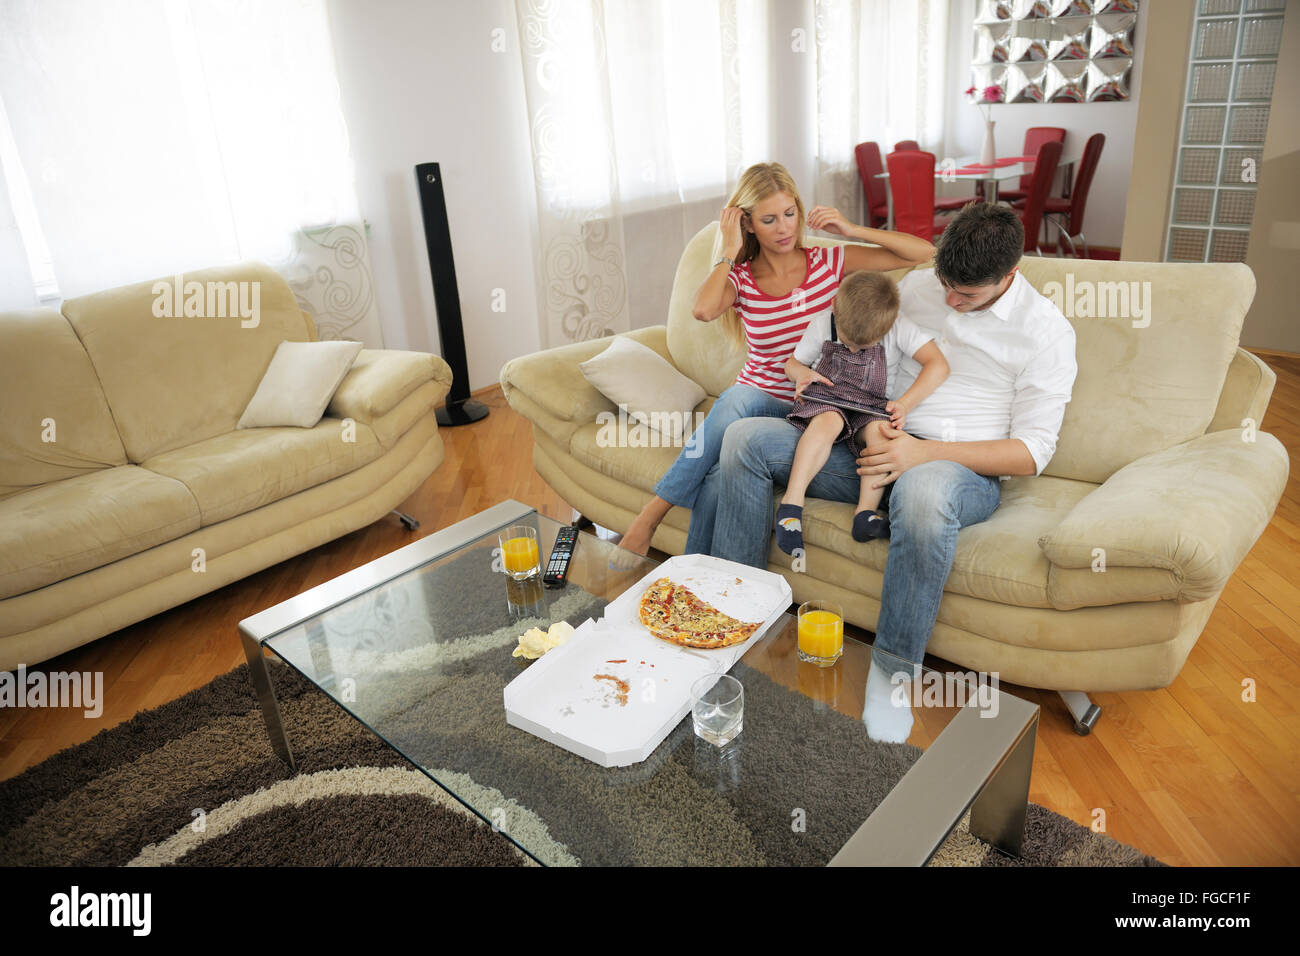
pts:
[821, 632]
[519, 552]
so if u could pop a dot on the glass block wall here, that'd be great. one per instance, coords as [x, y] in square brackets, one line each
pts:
[1225, 115]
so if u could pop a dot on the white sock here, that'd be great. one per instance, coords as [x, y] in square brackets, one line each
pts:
[887, 721]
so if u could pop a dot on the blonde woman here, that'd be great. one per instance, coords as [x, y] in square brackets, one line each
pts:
[767, 285]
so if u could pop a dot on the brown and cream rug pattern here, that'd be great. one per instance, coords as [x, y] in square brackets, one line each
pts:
[195, 782]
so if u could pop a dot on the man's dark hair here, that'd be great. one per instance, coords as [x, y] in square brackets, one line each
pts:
[981, 245]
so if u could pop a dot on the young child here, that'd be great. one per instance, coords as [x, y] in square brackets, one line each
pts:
[854, 370]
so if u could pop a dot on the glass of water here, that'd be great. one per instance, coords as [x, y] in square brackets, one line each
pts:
[718, 708]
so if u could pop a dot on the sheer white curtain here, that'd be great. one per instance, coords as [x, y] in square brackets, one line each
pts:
[881, 75]
[158, 136]
[642, 115]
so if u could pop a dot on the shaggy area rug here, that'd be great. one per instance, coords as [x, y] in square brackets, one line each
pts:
[195, 782]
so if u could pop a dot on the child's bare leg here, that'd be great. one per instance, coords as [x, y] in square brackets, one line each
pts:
[642, 529]
[867, 523]
[809, 456]
[868, 497]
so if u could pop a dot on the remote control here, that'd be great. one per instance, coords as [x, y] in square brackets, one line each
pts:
[557, 568]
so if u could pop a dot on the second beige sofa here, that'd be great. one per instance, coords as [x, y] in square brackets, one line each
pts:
[125, 487]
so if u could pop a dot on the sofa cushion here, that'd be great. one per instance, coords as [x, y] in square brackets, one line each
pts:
[997, 560]
[1190, 514]
[381, 378]
[1130, 399]
[48, 390]
[243, 470]
[172, 379]
[700, 350]
[645, 386]
[599, 446]
[66, 527]
[299, 384]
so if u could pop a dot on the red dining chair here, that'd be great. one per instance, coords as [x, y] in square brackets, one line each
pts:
[869, 165]
[911, 183]
[907, 145]
[1049, 156]
[1035, 137]
[947, 206]
[1067, 214]
[956, 204]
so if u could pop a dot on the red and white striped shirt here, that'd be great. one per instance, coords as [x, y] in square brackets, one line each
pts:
[774, 325]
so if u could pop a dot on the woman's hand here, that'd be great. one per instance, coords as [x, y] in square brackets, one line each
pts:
[829, 219]
[812, 376]
[897, 413]
[733, 237]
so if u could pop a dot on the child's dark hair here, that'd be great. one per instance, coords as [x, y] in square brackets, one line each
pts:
[865, 307]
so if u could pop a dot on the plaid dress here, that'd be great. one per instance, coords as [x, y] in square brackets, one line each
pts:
[860, 377]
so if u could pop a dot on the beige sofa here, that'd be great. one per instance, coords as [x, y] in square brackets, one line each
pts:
[1160, 472]
[125, 487]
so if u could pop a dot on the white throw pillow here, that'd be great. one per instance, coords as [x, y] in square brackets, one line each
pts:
[656, 394]
[299, 384]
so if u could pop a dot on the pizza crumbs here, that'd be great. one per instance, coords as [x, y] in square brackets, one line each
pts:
[621, 686]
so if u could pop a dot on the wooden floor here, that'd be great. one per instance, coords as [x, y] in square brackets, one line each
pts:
[1191, 774]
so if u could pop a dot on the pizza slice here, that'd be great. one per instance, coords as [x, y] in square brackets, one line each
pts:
[673, 613]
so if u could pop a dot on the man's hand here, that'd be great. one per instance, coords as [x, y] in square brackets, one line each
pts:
[897, 413]
[898, 452]
[812, 376]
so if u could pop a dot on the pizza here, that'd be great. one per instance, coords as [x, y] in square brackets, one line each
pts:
[671, 612]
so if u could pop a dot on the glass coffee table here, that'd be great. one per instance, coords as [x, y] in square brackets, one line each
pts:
[417, 646]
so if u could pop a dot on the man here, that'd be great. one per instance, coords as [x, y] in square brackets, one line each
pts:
[1011, 355]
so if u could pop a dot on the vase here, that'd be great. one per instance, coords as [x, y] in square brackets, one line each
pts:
[987, 152]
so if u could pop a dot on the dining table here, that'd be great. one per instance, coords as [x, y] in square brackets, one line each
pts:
[970, 169]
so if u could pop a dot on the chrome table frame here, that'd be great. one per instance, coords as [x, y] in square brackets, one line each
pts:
[978, 763]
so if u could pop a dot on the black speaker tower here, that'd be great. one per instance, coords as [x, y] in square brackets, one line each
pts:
[459, 410]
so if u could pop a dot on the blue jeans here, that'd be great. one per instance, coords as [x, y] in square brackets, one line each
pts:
[698, 461]
[928, 505]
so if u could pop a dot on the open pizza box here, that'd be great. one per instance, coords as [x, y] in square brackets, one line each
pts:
[613, 692]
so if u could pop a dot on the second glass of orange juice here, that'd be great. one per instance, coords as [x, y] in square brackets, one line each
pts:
[519, 551]
[821, 632]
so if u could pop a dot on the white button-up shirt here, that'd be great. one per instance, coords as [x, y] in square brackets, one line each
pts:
[1012, 367]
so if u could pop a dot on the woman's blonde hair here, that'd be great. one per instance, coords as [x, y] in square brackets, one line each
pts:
[757, 183]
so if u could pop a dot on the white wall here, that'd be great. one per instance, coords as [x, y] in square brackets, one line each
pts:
[1275, 229]
[1104, 215]
[420, 82]
[792, 91]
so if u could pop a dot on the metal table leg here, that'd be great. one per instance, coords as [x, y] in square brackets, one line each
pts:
[266, 697]
[979, 762]
[998, 814]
